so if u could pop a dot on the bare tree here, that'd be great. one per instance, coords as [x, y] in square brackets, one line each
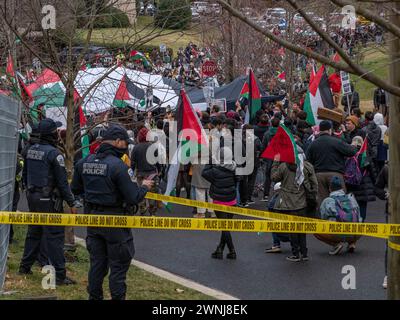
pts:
[389, 22]
[75, 24]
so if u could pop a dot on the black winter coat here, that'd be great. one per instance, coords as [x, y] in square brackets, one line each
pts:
[260, 129]
[223, 182]
[373, 133]
[328, 154]
[382, 182]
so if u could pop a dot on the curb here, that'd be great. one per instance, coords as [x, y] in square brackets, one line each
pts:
[219, 295]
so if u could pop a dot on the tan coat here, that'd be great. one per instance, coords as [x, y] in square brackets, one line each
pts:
[291, 198]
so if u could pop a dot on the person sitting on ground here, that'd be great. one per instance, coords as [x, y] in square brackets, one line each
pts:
[339, 207]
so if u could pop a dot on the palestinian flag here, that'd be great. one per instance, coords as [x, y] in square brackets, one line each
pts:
[26, 95]
[254, 98]
[82, 125]
[138, 56]
[129, 95]
[336, 57]
[282, 143]
[10, 67]
[244, 93]
[318, 95]
[363, 152]
[10, 73]
[48, 90]
[188, 147]
[46, 78]
[282, 76]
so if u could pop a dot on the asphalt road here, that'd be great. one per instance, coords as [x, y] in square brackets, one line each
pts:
[256, 275]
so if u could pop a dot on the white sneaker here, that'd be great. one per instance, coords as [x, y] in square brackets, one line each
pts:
[384, 284]
[336, 250]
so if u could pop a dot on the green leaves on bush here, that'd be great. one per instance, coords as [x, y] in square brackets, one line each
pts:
[112, 18]
[173, 14]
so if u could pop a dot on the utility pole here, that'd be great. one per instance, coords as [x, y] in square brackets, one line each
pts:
[394, 157]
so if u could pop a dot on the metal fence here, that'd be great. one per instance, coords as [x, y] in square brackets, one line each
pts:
[9, 123]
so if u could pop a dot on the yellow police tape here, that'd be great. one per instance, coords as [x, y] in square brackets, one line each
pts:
[235, 210]
[394, 246]
[253, 213]
[168, 223]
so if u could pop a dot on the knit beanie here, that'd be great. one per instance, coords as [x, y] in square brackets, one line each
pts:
[336, 183]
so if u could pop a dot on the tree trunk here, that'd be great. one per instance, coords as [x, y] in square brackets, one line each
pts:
[69, 140]
[231, 50]
[394, 159]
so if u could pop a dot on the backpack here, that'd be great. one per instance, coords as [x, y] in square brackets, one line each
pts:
[352, 172]
[347, 209]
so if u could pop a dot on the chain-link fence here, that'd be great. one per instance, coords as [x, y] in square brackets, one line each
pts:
[9, 122]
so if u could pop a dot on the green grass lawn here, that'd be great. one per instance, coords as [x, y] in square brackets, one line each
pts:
[141, 285]
[142, 33]
[377, 62]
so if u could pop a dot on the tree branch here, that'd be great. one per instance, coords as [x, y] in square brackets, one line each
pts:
[341, 66]
[392, 28]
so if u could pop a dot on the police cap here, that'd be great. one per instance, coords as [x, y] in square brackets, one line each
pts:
[116, 132]
[48, 126]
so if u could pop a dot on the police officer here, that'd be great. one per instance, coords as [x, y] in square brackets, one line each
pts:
[45, 179]
[104, 181]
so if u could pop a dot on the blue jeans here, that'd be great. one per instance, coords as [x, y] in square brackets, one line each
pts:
[238, 193]
[363, 210]
[278, 237]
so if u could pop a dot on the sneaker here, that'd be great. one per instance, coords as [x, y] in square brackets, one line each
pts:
[351, 247]
[246, 204]
[384, 284]
[273, 249]
[336, 250]
[66, 282]
[218, 254]
[305, 258]
[231, 255]
[265, 199]
[293, 258]
[251, 201]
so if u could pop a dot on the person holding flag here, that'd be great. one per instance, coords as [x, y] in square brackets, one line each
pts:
[298, 184]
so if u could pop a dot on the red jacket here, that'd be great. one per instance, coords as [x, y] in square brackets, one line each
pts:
[335, 82]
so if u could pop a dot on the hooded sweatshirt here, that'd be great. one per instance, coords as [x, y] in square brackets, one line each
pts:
[378, 119]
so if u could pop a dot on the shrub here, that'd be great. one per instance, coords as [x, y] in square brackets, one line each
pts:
[112, 18]
[173, 14]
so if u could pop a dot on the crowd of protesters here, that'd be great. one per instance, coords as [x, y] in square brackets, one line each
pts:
[334, 178]
[329, 153]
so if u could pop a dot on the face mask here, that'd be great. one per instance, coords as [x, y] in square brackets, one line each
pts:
[121, 151]
[51, 138]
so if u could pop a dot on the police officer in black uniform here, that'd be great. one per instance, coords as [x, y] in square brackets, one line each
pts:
[104, 181]
[45, 179]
